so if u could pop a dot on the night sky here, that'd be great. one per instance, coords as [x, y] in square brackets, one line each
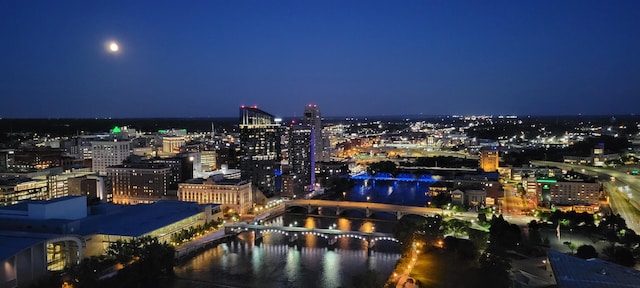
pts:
[352, 58]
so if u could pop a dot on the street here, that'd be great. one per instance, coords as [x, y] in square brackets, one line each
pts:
[623, 189]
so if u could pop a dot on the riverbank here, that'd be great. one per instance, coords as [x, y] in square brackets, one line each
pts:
[273, 263]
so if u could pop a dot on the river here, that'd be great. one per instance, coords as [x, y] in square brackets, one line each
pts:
[273, 263]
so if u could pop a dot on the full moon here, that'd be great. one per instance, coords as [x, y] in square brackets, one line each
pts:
[113, 47]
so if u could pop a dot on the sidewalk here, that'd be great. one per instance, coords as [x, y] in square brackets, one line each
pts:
[400, 274]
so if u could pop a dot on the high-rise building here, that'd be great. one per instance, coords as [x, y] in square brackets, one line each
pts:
[259, 148]
[489, 159]
[209, 162]
[139, 183]
[301, 157]
[313, 119]
[108, 153]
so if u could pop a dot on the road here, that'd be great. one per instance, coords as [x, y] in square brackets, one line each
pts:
[520, 220]
[620, 205]
[624, 189]
[188, 247]
[372, 206]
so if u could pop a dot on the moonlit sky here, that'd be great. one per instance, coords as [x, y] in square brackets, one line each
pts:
[352, 58]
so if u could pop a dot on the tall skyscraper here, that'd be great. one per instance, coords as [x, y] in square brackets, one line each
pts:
[301, 157]
[313, 119]
[259, 148]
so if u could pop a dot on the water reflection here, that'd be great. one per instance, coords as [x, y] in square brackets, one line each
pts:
[390, 192]
[274, 263]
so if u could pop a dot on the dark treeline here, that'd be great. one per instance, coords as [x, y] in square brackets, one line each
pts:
[67, 127]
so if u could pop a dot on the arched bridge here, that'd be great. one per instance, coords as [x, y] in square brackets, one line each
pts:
[369, 208]
[294, 233]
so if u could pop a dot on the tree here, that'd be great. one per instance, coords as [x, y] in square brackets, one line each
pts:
[586, 252]
[534, 232]
[456, 227]
[619, 255]
[146, 260]
[495, 269]
[628, 237]
[572, 246]
[612, 222]
[504, 235]
[450, 243]
[404, 229]
[441, 199]
[479, 238]
[466, 250]
[382, 167]
[482, 217]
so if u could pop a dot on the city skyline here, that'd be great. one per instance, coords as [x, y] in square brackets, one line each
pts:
[351, 58]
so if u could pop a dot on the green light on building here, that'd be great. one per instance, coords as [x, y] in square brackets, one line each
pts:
[183, 130]
[116, 130]
[547, 181]
[162, 131]
[634, 172]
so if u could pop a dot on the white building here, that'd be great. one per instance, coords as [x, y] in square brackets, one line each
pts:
[172, 144]
[108, 153]
[232, 194]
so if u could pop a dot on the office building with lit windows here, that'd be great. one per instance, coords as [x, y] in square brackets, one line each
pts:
[313, 120]
[233, 195]
[489, 159]
[172, 144]
[301, 158]
[44, 187]
[561, 192]
[209, 160]
[108, 153]
[259, 148]
[138, 183]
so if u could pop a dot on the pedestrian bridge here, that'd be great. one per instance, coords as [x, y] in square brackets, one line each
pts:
[369, 208]
[293, 234]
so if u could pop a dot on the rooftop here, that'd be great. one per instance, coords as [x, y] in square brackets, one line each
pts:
[12, 242]
[106, 218]
[574, 272]
[136, 220]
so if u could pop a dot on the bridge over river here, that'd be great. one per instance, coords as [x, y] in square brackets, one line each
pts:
[294, 234]
[369, 208]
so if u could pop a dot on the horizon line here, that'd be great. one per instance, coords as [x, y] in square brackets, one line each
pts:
[329, 117]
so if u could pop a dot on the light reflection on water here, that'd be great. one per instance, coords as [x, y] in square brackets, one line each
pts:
[274, 263]
[410, 193]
